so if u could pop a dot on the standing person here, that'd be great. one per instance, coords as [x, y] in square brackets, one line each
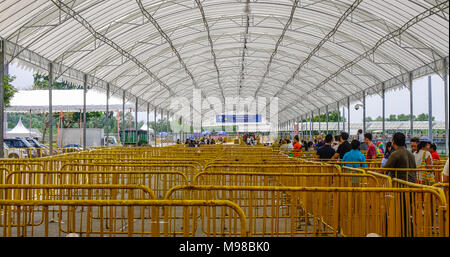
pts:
[360, 136]
[380, 148]
[423, 159]
[326, 151]
[283, 146]
[401, 158]
[336, 142]
[445, 172]
[343, 147]
[414, 143]
[319, 141]
[434, 153]
[389, 150]
[297, 146]
[354, 155]
[372, 150]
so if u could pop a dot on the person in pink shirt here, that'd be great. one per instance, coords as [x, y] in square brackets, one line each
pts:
[372, 150]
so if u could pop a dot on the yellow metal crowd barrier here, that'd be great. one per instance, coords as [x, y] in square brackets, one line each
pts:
[158, 181]
[331, 211]
[121, 218]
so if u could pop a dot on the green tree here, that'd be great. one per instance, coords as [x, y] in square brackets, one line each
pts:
[9, 89]
[160, 126]
[369, 119]
[423, 117]
[41, 82]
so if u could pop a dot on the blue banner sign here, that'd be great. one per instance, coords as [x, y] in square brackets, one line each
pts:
[239, 118]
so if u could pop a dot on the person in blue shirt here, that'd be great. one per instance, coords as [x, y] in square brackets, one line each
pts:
[354, 155]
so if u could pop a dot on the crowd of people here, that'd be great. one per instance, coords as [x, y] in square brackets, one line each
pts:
[394, 154]
[197, 143]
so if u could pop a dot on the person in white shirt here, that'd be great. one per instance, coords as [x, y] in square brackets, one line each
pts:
[423, 157]
[445, 172]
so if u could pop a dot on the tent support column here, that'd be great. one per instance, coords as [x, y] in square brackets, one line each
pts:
[411, 106]
[430, 110]
[327, 116]
[348, 115]
[123, 118]
[136, 120]
[148, 123]
[383, 98]
[84, 110]
[50, 107]
[446, 104]
[154, 130]
[107, 115]
[2, 96]
[338, 118]
[364, 112]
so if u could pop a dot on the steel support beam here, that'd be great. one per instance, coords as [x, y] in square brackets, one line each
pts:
[430, 109]
[84, 109]
[348, 115]
[136, 119]
[411, 106]
[383, 106]
[339, 118]
[148, 123]
[364, 112]
[123, 119]
[446, 105]
[154, 132]
[107, 115]
[327, 116]
[50, 107]
[2, 97]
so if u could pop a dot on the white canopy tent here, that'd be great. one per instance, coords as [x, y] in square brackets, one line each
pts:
[21, 131]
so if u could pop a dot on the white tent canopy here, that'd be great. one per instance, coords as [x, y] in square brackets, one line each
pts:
[63, 100]
[21, 131]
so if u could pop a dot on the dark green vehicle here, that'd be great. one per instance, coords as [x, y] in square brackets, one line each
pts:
[133, 138]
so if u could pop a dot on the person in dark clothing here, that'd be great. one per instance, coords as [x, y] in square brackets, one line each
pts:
[343, 147]
[326, 151]
[401, 158]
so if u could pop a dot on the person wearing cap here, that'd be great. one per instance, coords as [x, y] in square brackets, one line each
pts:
[423, 158]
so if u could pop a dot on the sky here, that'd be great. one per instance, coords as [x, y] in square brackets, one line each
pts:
[397, 102]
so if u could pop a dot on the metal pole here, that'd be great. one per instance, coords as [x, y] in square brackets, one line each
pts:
[160, 136]
[411, 106]
[310, 126]
[136, 120]
[339, 118]
[327, 116]
[430, 110]
[343, 118]
[320, 132]
[154, 130]
[107, 114]
[348, 116]
[84, 110]
[383, 98]
[364, 112]
[148, 123]
[123, 118]
[446, 105]
[2, 95]
[50, 107]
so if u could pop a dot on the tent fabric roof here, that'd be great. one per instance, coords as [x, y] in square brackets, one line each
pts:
[37, 101]
[19, 128]
[309, 53]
